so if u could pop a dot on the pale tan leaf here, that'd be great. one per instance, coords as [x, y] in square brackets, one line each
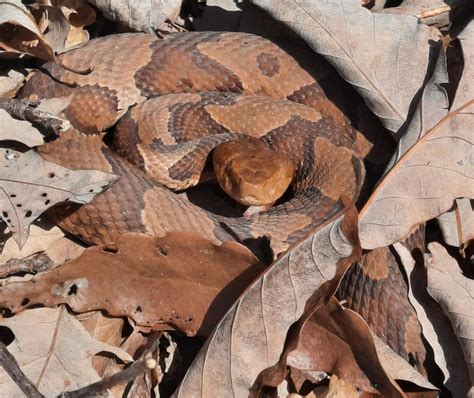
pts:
[54, 351]
[424, 183]
[104, 329]
[79, 14]
[457, 225]
[251, 336]
[145, 16]
[436, 329]
[10, 82]
[53, 24]
[20, 33]
[397, 367]
[455, 294]
[29, 185]
[465, 91]
[19, 130]
[373, 52]
[40, 240]
[432, 106]
[434, 161]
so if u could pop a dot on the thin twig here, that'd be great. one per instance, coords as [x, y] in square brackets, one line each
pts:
[11, 366]
[36, 263]
[140, 366]
[434, 12]
[28, 110]
[137, 368]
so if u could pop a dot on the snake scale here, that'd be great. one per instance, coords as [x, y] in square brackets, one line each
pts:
[177, 98]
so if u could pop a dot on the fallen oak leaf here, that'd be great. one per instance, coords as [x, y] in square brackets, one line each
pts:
[455, 294]
[29, 185]
[252, 334]
[181, 280]
[56, 354]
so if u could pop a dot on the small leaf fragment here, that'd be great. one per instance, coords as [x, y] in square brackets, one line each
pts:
[29, 185]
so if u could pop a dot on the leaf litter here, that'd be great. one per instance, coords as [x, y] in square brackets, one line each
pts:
[239, 326]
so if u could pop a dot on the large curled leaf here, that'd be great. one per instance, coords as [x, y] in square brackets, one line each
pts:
[436, 328]
[29, 185]
[251, 336]
[20, 33]
[57, 356]
[455, 294]
[373, 52]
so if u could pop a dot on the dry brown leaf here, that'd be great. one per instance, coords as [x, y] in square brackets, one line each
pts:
[52, 23]
[20, 33]
[29, 185]
[251, 336]
[180, 280]
[145, 16]
[457, 225]
[104, 329]
[338, 341]
[455, 294]
[19, 130]
[53, 350]
[79, 14]
[436, 170]
[397, 367]
[40, 240]
[424, 183]
[10, 82]
[373, 52]
[436, 328]
[339, 388]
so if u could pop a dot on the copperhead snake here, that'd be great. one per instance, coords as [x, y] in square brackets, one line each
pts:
[177, 99]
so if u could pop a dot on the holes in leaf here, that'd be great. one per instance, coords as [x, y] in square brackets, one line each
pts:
[12, 195]
[6, 335]
[47, 202]
[138, 309]
[5, 214]
[19, 205]
[44, 194]
[110, 248]
[72, 290]
[51, 175]
[25, 301]
[28, 213]
[162, 251]
[91, 190]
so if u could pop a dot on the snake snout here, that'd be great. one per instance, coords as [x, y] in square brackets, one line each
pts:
[251, 172]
